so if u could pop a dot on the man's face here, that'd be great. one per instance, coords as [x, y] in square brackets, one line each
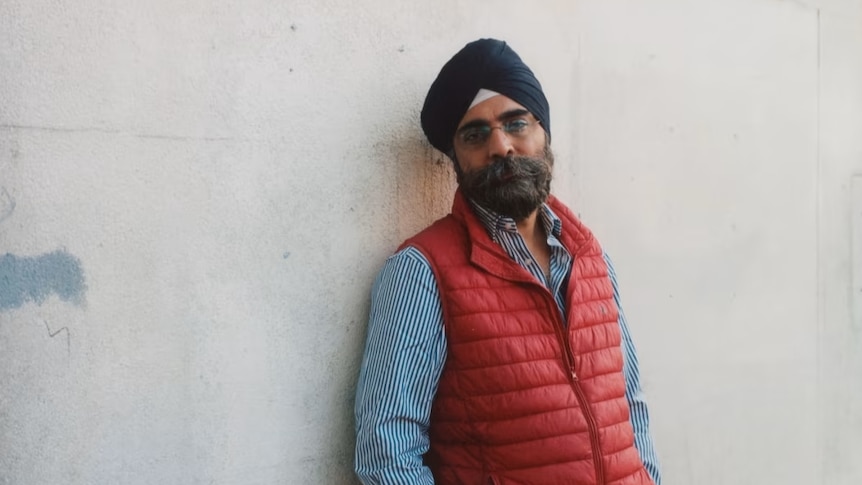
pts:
[503, 160]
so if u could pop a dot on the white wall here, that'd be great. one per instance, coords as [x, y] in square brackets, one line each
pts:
[195, 197]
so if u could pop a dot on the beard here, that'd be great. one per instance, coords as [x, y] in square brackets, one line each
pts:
[510, 186]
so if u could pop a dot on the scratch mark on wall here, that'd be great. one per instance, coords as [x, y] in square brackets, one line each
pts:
[183, 138]
[7, 204]
[54, 334]
[14, 149]
[34, 279]
[56, 129]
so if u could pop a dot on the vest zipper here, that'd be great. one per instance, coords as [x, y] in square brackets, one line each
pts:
[594, 433]
[592, 426]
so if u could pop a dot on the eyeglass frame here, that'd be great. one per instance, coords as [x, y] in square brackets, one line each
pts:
[485, 130]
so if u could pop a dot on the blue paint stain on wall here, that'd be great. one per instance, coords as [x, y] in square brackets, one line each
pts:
[34, 279]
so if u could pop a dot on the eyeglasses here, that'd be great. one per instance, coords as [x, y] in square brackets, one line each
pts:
[476, 136]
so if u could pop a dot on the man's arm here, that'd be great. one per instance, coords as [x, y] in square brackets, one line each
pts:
[404, 355]
[634, 394]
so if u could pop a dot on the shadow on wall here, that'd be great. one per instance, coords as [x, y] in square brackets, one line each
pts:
[426, 184]
[34, 279]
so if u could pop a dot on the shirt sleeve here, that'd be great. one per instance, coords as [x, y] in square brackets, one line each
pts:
[634, 394]
[404, 355]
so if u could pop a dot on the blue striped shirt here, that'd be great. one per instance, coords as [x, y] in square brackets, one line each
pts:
[406, 348]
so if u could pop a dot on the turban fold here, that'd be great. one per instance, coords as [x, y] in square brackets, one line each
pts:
[483, 64]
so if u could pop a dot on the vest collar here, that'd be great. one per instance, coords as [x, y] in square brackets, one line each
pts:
[490, 256]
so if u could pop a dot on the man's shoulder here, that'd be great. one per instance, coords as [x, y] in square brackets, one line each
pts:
[562, 210]
[576, 235]
[445, 231]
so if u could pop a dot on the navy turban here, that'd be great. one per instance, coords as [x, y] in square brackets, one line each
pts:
[488, 64]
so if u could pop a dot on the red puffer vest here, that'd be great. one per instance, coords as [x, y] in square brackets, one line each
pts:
[523, 398]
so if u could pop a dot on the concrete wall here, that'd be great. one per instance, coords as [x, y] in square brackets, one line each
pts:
[195, 197]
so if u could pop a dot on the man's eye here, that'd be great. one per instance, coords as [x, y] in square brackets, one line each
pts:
[517, 126]
[471, 136]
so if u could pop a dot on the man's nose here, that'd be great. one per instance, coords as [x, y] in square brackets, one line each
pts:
[499, 144]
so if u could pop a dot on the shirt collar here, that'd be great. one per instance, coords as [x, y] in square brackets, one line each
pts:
[495, 223]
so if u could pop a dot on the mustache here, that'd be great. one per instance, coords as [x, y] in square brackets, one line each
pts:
[505, 168]
[511, 185]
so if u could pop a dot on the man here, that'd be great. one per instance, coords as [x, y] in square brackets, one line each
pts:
[497, 351]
